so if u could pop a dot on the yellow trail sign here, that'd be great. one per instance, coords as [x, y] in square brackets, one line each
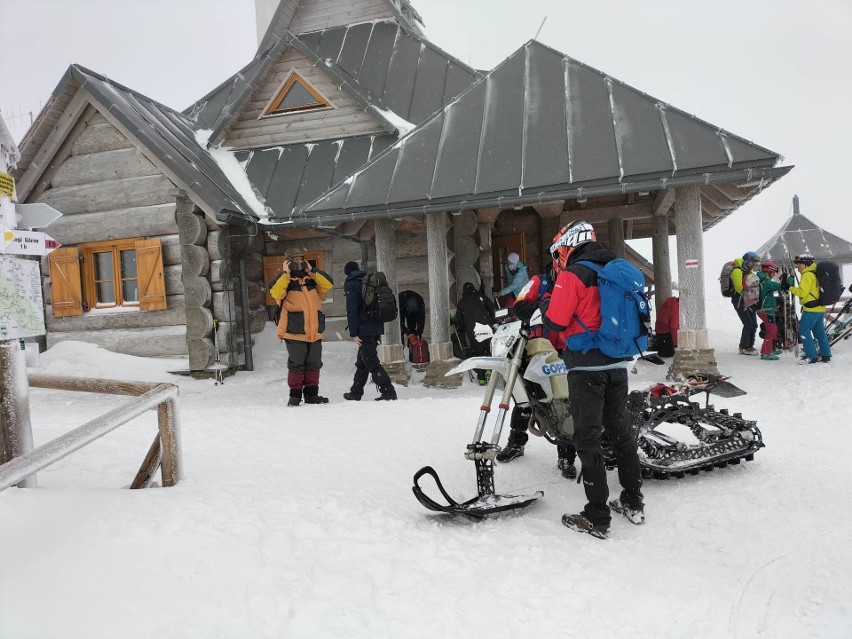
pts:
[7, 185]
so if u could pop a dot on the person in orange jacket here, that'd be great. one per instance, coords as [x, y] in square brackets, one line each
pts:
[300, 290]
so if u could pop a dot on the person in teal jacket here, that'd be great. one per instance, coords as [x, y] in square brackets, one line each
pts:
[766, 310]
[517, 277]
[812, 323]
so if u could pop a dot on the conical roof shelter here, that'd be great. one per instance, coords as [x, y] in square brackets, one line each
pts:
[800, 235]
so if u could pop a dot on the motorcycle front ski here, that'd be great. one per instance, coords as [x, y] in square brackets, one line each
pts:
[478, 507]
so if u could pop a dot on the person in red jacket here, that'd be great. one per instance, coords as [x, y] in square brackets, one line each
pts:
[597, 383]
[668, 322]
[536, 291]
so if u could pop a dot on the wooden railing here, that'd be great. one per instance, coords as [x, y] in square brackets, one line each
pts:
[165, 452]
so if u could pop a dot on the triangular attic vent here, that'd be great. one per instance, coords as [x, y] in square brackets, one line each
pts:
[296, 94]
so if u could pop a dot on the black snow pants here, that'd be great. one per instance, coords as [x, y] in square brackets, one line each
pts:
[749, 321]
[367, 364]
[599, 403]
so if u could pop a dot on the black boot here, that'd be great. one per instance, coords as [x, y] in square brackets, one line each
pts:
[389, 394]
[352, 396]
[514, 447]
[295, 397]
[312, 396]
[567, 455]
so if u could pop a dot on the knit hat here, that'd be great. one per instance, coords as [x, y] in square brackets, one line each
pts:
[513, 258]
[350, 268]
[293, 252]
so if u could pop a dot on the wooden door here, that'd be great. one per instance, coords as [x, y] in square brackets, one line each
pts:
[500, 248]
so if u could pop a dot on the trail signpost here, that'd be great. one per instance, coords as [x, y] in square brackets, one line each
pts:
[15, 242]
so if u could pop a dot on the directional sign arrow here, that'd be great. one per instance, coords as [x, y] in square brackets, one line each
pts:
[36, 216]
[16, 242]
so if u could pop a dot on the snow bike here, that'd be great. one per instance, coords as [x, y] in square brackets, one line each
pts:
[530, 373]
[676, 436]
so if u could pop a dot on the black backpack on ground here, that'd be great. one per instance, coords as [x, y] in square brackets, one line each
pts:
[830, 285]
[379, 299]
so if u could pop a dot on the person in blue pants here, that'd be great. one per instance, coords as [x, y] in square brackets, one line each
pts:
[812, 323]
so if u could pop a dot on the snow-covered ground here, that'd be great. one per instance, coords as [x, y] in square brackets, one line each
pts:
[301, 523]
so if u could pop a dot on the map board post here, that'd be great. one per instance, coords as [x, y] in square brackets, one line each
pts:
[21, 315]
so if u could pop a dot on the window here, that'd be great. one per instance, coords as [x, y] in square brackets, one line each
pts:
[120, 274]
[110, 268]
[296, 95]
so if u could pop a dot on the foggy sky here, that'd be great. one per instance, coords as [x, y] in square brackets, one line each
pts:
[771, 71]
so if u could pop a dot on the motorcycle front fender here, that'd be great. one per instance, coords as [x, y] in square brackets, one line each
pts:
[498, 364]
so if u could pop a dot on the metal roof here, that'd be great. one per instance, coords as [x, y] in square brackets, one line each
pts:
[290, 176]
[800, 235]
[166, 134]
[539, 125]
[392, 67]
[390, 71]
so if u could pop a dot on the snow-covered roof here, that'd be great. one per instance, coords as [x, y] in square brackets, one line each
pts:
[168, 136]
[541, 126]
[800, 235]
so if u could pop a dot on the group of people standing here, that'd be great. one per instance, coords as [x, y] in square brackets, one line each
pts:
[754, 287]
[570, 304]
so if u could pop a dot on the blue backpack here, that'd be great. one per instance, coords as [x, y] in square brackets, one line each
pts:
[625, 312]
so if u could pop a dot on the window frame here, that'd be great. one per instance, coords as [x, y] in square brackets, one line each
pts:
[270, 111]
[87, 253]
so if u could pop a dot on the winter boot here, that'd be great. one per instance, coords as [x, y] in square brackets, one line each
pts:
[514, 447]
[388, 395]
[769, 356]
[352, 396]
[579, 523]
[749, 351]
[824, 359]
[569, 470]
[634, 514]
[312, 396]
[295, 397]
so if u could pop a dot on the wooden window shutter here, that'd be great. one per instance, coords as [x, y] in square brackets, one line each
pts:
[149, 268]
[66, 286]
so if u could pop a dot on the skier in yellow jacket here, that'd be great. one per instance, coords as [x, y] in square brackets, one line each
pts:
[300, 290]
[812, 324]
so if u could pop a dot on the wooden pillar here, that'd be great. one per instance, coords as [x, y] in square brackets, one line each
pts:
[385, 239]
[16, 435]
[486, 267]
[441, 349]
[693, 351]
[662, 267]
[616, 236]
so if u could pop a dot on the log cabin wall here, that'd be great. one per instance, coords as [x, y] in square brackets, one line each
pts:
[313, 15]
[107, 190]
[345, 119]
[411, 264]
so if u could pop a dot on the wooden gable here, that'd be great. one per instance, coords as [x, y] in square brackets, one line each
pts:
[252, 129]
[313, 15]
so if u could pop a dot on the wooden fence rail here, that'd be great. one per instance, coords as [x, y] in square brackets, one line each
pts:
[162, 397]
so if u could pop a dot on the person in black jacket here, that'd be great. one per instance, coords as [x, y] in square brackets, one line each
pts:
[366, 333]
[412, 313]
[475, 308]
